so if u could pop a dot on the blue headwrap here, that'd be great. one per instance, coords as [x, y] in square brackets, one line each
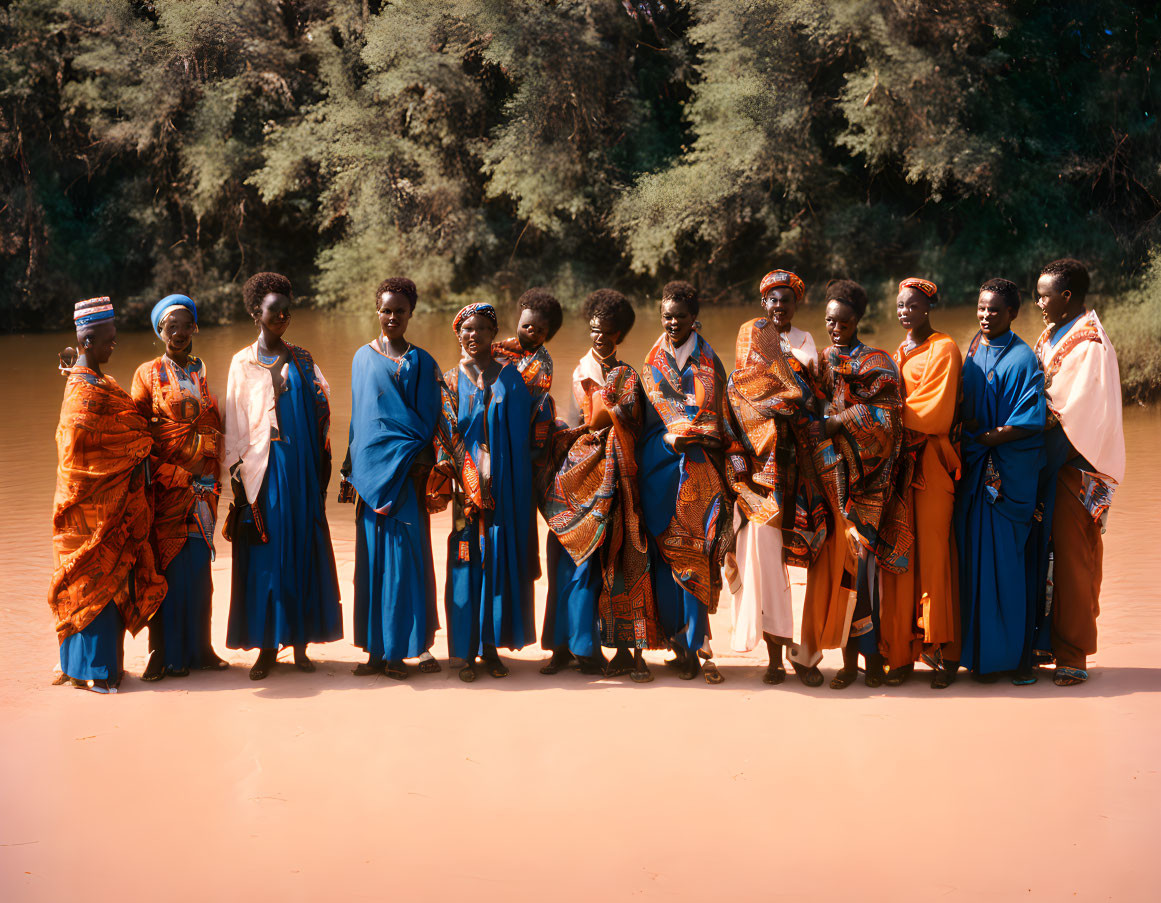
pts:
[167, 305]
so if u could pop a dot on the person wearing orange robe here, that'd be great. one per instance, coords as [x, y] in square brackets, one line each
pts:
[919, 609]
[104, 579]
[172, 393]
[856, 457]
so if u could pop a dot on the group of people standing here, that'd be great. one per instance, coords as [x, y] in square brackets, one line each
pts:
[947, 508]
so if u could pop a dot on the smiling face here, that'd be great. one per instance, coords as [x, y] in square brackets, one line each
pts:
[604, 336]
[532, 330]
[780, 304]
[677, 320]
[477, 333]
[994, 315]
[98, 343]
[177, 331]
[842, 323]
[1054, 299]
[394, 314]
[274, 315]
[913, 308]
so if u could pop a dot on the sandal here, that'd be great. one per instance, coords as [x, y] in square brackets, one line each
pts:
[774, 675]
[213, 662]
[641, 677]
[942, 679]
[396, 670]
[590, 664]
[621, 663]
[559, 661]
[1025, 677]
[154, 668]
[843, 678]
[896, 677]
[177, 672]
[1069, 677]
[809, 676]
[468, 672]
[497, 668]
[261, 667]
[711, 673]
[365, 669]
[429, 665]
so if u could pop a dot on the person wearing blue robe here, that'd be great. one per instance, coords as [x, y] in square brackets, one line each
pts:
[395, 405]
[485, 462]
[285, 589]
[1003, 416]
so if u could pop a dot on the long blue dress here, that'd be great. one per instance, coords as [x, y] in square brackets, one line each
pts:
[484, 437]
[98, 651]
[285, 591]
[395, 406]
[995, 502]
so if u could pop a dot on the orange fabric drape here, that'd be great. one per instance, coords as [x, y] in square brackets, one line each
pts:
[921, 605]
[1077, 578]
[101, 513]
[186, 434]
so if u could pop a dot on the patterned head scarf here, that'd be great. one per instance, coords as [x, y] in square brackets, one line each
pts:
[775, 278]
[92, 311]
[168, 305]
[484, 310]
[929, 288]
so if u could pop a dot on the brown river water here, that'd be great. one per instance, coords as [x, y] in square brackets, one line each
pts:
[30, 405]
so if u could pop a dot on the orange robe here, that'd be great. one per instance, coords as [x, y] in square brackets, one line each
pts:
[921, 605]
[186, 432]
[101, 513]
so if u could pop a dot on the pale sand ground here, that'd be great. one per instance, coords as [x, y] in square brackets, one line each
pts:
[326, 786]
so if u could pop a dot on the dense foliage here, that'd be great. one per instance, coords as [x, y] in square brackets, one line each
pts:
[485, 145]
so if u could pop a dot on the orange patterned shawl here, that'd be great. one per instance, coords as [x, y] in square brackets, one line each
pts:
[773, 401]
[185, 430]
[101, 513]
[591, 504]
[701, 530]
[862, 469]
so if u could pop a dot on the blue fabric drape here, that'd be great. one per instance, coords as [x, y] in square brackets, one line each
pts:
[395, 406]
[995, 502]
[488, 594]
[285, 591]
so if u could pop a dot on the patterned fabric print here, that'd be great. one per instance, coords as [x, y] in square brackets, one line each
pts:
[1097, 495]
[701, 532]
[183, 426]
[453, 462]
[773, 401]
[861, 469]
[101, 515]
[591, 504]
[1084, 331]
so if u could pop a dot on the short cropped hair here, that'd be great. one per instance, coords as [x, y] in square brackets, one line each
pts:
[849, 292]
[259, 286]
[397, 285]
[1006, 289]
[544, 303]
[1073, 272]
[683, 293]
[609, 304]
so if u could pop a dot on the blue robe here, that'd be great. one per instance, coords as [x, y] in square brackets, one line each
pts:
[572, 605]
[285, 591]
[995, 502]
[184, 616]
[490, 573]
[394, 410]
[98, 651]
